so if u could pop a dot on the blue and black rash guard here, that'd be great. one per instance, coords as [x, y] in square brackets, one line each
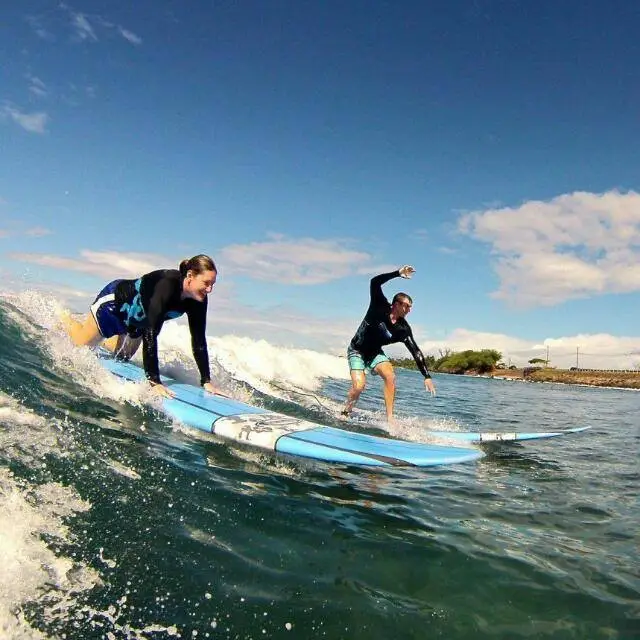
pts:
[144, 304]
[377, 329]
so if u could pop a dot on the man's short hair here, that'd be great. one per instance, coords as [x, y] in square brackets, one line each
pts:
[400, 297]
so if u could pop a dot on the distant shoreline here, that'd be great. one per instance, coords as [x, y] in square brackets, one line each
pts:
[619, 379]
[591, 378]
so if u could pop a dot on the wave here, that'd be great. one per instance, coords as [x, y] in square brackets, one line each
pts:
[257, 363]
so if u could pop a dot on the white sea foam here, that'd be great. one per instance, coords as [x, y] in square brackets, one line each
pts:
[31, 571]
[35, 518]
[34, 572]
[255, 362]
[24, 435]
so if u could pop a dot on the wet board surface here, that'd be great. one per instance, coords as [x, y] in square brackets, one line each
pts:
[272, 431]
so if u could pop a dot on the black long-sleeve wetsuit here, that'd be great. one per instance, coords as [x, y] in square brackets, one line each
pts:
[144, 304]
[377, 330]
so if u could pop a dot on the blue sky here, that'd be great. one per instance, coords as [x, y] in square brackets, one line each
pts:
[307, 145]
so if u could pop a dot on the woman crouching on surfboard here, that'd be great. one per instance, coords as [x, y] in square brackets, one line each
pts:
[130, 312]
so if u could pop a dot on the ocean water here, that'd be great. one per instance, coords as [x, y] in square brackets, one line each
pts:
[117, 523]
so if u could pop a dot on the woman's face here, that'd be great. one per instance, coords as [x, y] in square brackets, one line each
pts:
[199, 285]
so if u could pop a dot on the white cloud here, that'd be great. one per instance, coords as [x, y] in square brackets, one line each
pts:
[596, 351]
[82, 27]
[573, 246]
[32, 122]
[37, 87]
[129, 36]
[305, 261]
[36, 23]
[107, 264]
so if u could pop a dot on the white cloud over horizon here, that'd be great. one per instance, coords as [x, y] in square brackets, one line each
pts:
[596, 351]
[104, 264]
[573, 246]
[280, 260]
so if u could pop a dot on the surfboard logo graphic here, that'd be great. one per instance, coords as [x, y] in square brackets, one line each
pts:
[261, 429]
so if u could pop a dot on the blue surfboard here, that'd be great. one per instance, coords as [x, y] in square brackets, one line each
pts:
[274, 431]
[488, 437]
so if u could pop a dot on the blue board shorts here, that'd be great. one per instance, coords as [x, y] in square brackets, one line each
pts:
[357, 363]
[105, 313]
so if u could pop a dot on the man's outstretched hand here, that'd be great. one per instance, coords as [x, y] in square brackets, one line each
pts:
[407, 271]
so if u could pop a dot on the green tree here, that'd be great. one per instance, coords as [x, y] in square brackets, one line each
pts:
[537, 361]
[461, 361]
[483, 361]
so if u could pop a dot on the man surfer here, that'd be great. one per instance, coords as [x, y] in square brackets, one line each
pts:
[384, 323]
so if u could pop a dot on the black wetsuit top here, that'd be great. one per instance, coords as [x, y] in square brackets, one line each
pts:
[377, 329]
[144, 304]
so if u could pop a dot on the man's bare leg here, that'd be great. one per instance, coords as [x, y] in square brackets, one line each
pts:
[358, 382]
[386, 372]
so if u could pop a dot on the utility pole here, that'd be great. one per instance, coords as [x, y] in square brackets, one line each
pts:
[577, 358]
[546, 364]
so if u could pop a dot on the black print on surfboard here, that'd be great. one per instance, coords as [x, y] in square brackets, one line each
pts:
[249, 424]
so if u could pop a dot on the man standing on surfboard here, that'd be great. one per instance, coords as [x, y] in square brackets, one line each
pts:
[384, 323]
